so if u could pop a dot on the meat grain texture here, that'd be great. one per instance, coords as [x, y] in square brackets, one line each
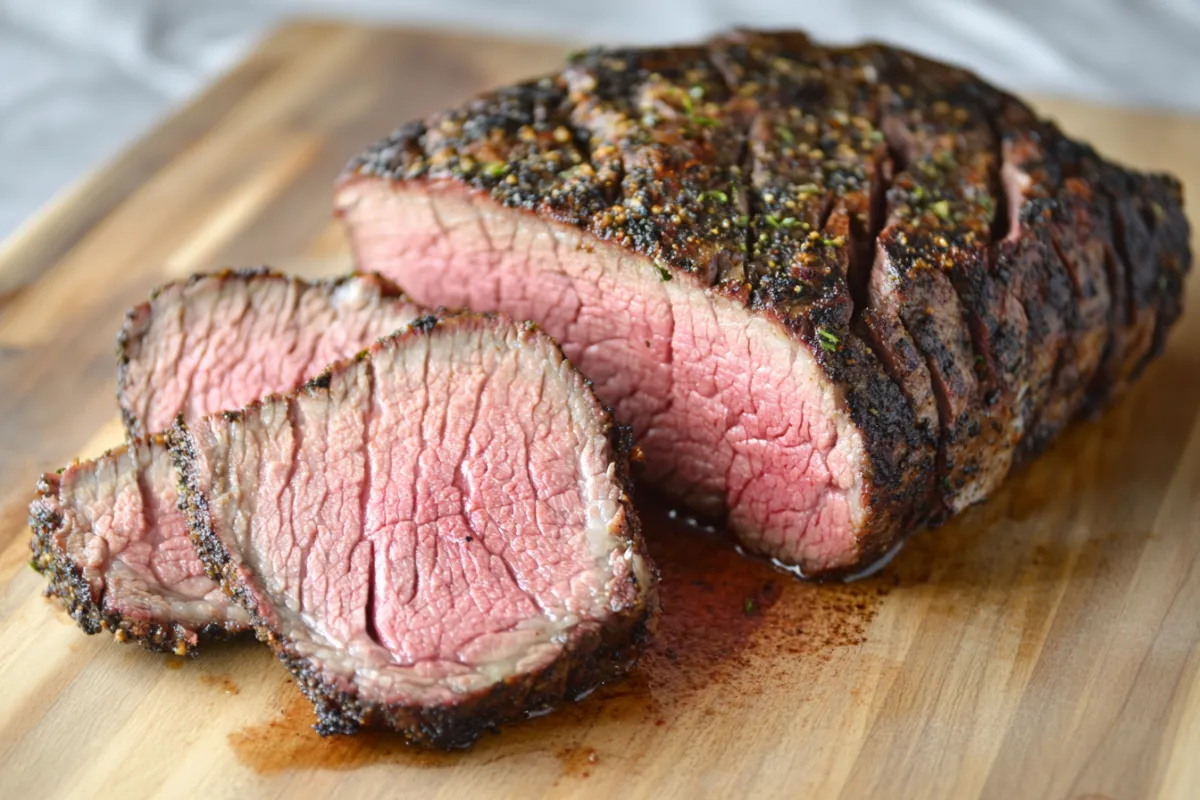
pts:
[107, 532]
[108, 535]
[838, 293]
[435, 536]
[224, 340]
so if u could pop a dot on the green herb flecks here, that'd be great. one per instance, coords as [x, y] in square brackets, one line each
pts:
[828, 340]
[494, 169]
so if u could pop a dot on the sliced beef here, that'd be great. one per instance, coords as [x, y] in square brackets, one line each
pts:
[435, 536]
[934, 268]
[106, 532]
[115, 547]
[837, 292]
[223, 340]
[1137, 222]
[1066, 222]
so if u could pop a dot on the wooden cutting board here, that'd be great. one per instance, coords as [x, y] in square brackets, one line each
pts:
[1043, 645]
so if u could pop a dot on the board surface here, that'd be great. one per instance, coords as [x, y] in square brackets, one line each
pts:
[1045, 644]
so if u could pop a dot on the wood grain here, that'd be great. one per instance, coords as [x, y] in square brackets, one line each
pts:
[1045, 644]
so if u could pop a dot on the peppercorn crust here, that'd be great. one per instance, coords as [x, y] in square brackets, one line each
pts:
[969, 278]
[89, 610]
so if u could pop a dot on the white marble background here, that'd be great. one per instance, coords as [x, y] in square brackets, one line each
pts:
[79, 79]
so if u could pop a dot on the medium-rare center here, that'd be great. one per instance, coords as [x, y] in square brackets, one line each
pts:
[838, 293]
[434, 536]
[107, 532]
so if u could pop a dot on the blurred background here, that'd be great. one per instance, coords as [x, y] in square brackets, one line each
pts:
[82, 78]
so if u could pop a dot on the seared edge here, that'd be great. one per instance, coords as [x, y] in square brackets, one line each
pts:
[593, 656]
[67, 582]
[652, 150]
[594, 146]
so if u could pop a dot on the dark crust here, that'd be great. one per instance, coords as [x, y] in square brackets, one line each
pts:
[654, 150]
[591, 658]
[814, 180]
[129, 338]
[941, 211]
[67, 583]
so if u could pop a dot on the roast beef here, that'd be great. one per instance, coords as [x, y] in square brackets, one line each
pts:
[106, 532]
[838, 293]
[434, 536]
[220, 341]
[109, 536]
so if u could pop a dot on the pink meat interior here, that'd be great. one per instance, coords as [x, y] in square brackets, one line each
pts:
[734, 415]
[223, 342]
[122, 530]
[441, 516]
